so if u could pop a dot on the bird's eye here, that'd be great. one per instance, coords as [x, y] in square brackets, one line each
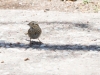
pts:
[36, 24]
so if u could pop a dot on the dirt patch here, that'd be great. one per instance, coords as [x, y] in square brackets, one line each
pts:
[53, 5]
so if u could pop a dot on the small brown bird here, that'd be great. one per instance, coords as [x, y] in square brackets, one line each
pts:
[35, 31]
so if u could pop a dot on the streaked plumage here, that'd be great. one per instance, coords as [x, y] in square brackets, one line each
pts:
[35, 31]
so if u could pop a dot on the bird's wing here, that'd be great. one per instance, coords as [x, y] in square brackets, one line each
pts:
[31, 32]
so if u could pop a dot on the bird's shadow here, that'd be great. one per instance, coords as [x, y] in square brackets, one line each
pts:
[42, 46]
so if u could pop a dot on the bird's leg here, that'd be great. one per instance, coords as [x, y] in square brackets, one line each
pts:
[30, 41]
[39, 40]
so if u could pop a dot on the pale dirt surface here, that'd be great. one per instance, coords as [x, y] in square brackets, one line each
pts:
[71, 43]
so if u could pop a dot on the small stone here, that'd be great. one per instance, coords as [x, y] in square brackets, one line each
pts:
[26, 59]
[46, 10]
[2, 61]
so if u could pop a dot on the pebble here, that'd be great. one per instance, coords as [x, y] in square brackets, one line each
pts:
[2, 61]
[26, 59]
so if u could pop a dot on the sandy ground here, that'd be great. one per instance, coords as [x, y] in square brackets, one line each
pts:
[71, 43]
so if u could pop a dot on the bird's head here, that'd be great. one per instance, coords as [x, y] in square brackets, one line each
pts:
[33, 24]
